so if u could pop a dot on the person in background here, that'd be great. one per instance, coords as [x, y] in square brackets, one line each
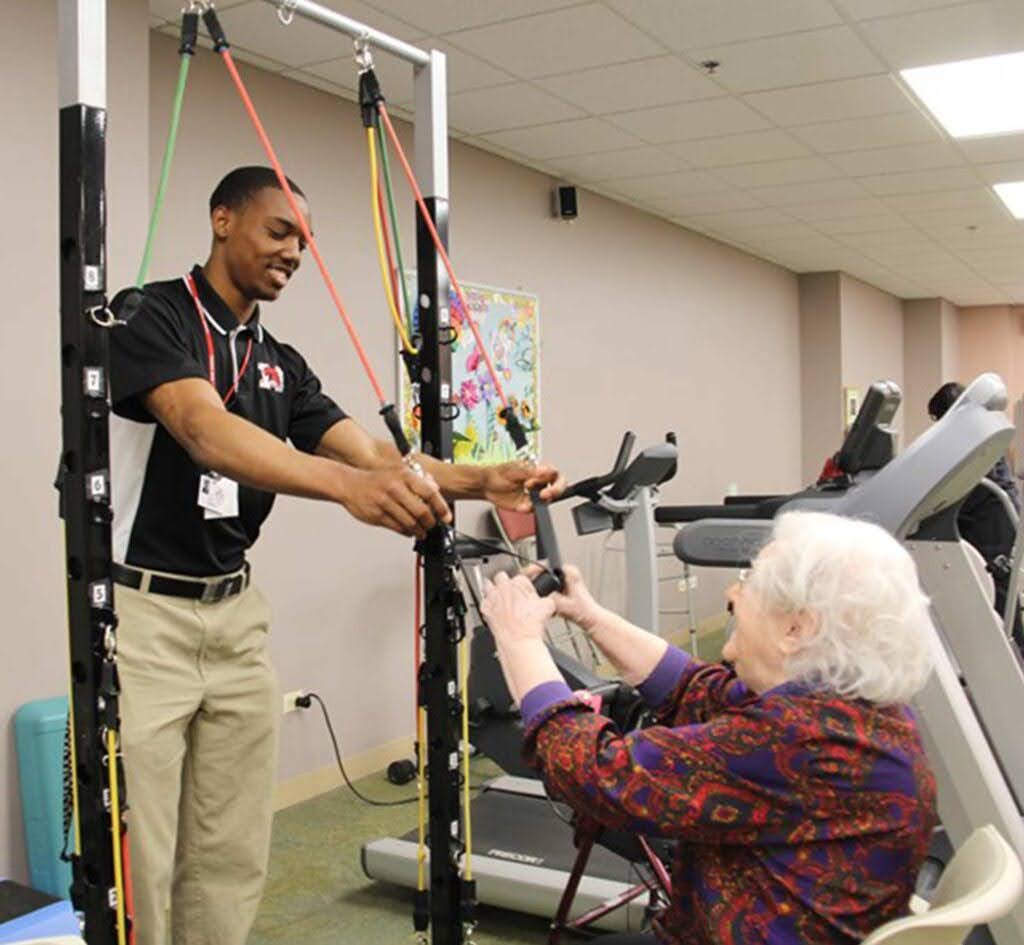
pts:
[983, 520]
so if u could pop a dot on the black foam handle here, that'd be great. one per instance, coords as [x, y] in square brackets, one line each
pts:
[390, 416]
[552, 579]
[213, 27]
[370, 96]
[189, 34]
[548, 582]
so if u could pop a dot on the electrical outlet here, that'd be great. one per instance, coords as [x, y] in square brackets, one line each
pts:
[691, 581]
[289, 700]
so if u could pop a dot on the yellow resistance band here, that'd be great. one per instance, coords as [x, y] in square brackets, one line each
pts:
[381, 252]
[115, 831]
[467, 818]
[421, 793]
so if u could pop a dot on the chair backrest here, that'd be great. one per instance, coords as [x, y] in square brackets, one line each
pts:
[982, 882]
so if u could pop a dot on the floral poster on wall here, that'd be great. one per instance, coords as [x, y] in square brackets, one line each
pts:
[509, 324]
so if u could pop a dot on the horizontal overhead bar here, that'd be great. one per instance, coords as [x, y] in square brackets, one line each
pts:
[355, 29]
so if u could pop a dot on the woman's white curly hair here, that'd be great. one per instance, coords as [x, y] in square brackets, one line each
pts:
[860, 587]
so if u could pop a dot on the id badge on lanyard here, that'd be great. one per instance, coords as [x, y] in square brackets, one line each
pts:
[218, 495]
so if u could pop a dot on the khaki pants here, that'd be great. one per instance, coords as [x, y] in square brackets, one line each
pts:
[200, 710]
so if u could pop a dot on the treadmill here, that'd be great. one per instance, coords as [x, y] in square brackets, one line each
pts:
[971, 709]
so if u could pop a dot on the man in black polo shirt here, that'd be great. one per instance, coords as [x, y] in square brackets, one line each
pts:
[204, 397]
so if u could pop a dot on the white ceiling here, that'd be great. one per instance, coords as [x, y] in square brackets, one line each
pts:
[803, 147]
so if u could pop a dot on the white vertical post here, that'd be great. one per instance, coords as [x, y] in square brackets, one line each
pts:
[82, 32]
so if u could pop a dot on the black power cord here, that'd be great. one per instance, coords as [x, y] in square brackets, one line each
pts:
[304, 702]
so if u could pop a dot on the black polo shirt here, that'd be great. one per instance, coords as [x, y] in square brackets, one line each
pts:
[157, 522]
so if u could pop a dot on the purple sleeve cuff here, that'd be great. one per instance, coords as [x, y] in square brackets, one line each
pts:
[542, 697]
[657, 687]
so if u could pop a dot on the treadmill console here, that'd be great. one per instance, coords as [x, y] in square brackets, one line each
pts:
[871, 441]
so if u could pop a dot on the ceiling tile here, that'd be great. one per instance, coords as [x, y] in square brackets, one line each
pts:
[850, 225]
[906, 157]
[583, 136]
[840, 209]
[965, 31]
[741, 219]
[536, 46]
[444, 16]
[796, 59]
[684, 24]
[255, 26]
[993, 149]
[506, 106]
[813, 192]
[668, 185]
[777, 233]
[987, 235]
[890, 241]
[1003, 171]
[964, 216]
[771, 173]
[703, 119]
[943, 200]
[642, 84]
[868, 9]
[614, 165]
[880, 131]
[832, 101]
[739, 149]
[717, 202]
[919, 182]
[466, 72]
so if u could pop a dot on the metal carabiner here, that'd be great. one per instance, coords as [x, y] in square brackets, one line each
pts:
[364, 58]
[102, 315]
[286, 11]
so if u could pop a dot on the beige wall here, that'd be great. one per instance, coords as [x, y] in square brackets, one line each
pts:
[872, 333]
[645, 326]
[931, 356]
[992, 339]
[821, 369]
[851, 335]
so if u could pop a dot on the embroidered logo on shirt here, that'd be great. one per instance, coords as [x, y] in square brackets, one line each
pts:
[271, 377]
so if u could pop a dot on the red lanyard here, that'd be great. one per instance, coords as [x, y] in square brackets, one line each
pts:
[210, 357]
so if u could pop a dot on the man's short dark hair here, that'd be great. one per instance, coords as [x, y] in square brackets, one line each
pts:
[943, 399]
[243, 183]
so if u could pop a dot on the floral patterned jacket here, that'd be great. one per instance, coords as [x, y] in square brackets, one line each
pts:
[800, 817]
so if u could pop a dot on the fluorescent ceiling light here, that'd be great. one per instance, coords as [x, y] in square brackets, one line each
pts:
[1012, 194]
[973, 97]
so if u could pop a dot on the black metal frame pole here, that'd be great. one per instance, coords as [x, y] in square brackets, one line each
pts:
[85, 458]
[444, 610]
[443, 604]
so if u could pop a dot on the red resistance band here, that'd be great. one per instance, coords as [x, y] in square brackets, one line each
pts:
[211, 361]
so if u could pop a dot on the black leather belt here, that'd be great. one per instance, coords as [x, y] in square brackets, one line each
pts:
[209, 592]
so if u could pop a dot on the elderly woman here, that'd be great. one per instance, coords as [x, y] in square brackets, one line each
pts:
[793, 778]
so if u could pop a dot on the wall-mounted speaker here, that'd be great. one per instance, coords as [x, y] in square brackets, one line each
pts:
[565, 205]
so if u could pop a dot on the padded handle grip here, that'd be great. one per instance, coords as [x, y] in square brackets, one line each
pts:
[548, 582]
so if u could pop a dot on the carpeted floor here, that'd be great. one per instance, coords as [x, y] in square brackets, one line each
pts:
[317, 893]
